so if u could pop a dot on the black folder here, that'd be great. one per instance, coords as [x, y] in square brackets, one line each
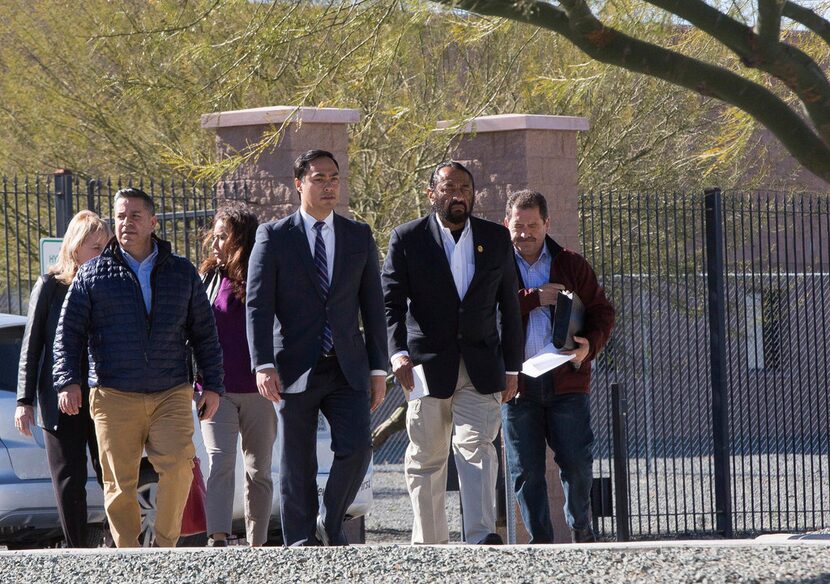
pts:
[568, 319]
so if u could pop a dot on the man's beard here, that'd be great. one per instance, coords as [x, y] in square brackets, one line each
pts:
[453, 214]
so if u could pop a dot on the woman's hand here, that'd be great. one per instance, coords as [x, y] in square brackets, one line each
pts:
[24, 418]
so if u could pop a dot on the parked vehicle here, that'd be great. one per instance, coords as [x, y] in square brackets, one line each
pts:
[28, 512]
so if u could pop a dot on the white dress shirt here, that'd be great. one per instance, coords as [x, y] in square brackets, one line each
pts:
[328, 238]
[459, 255]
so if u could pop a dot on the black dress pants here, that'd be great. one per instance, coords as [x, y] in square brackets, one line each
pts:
[66, 450]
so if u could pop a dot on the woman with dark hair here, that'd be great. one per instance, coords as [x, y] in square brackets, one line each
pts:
[66, 437]
[242, 410]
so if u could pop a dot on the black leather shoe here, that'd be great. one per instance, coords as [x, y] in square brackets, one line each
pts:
[217, 542]
[492, 539]
[583, 535]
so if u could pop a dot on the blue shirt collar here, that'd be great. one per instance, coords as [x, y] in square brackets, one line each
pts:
[542, 256]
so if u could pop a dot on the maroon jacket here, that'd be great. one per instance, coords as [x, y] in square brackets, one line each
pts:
[575, 273]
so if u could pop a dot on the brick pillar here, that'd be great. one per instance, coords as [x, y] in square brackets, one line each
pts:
[511, 152]
[270, 178]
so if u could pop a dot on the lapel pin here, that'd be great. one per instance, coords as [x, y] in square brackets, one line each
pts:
[480, 248]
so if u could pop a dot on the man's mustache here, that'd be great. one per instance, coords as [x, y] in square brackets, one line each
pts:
[525, 240]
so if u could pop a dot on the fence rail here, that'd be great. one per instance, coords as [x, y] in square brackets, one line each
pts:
[41, 206]
[650, 253]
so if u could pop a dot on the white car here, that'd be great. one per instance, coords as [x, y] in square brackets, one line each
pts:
[28, 512]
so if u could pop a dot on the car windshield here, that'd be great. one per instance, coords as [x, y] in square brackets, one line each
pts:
[10, 341]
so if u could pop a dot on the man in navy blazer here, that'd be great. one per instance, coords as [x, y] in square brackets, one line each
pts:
[448, 280]
[312, 277]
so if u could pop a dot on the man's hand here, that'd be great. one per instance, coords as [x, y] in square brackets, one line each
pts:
[580, 353]
[24, 418]
[511, 386]
[377, 385]
[268, 384]
[69, 399]
[548, 293]
[210, 401]
[402, 368]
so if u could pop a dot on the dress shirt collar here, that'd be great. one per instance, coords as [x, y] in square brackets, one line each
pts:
[134, 263]
[309, 221]
[542, 256]
[446, 232]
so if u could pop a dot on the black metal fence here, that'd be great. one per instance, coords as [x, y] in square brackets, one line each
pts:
[41, 206]
[721, 348]
[721, 343]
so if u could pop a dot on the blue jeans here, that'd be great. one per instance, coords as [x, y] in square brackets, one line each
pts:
[532, 421]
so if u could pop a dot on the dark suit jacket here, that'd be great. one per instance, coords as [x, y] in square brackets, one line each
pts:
[286, 309]
[426, 317]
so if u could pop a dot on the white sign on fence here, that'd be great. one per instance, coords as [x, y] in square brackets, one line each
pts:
[49, 248]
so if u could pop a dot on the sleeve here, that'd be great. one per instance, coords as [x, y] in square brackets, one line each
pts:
[72, 336]
[371, 309]
[201, 330]
[396, 291]
[599, 313]
[512, 337]
[528, 300]
[260, 299]
[32, 348]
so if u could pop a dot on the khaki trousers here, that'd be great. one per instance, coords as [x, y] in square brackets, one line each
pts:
[126, 424]
[472, 421]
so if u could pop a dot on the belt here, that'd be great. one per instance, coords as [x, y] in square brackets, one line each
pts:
[330, 355]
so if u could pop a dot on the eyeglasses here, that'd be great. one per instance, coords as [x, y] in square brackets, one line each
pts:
[446, 188]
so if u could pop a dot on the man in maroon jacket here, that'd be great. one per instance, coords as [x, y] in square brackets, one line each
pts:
[553, 408]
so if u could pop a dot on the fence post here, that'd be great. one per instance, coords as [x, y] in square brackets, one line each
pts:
[91, 185]
[63, 200]
[619, 412]
[715, 275]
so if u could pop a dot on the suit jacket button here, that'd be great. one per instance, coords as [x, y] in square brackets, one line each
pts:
[460, 336]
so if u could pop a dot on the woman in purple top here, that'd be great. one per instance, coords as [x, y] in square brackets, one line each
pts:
[242, 411]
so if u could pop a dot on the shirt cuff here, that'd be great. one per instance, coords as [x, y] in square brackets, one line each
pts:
[511, 373]
[398, 354]
[378, 372]
[266, 366]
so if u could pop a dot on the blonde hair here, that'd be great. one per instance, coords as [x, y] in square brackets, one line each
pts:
[83, 225]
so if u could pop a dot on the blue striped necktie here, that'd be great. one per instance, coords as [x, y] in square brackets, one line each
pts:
[321, 264]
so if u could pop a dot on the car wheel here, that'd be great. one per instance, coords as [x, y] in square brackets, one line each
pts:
[148, 482]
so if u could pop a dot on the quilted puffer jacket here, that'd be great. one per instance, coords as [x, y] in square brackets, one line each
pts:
[129, 349]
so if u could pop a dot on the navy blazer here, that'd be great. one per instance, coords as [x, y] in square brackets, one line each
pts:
[286, 308]
[426, 317]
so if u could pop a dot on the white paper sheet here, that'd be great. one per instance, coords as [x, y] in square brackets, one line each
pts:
[421, 389]
[545, 360]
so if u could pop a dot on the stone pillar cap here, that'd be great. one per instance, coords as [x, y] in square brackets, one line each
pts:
[507, 122]
[278, 114]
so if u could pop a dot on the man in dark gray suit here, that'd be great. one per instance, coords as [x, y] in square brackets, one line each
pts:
[312, 277]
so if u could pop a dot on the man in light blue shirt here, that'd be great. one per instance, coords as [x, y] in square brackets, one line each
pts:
[552, 409]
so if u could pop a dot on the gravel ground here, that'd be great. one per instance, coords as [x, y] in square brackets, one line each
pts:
[389, 564]
[390, 523]
[390, 520]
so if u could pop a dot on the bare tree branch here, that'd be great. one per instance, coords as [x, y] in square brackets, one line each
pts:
[791, 66]
[809, 19]
[611, 46]
[769, 22]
